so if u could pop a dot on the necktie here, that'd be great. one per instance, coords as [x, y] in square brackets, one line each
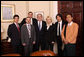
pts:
[18, 28]
[29, 29]
[39, 25]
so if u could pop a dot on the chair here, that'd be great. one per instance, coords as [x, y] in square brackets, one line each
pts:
[43, 53]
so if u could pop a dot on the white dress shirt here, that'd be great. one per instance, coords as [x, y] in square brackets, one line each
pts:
[31, 21]
[58, 28]
[69, 24]
[48, 25]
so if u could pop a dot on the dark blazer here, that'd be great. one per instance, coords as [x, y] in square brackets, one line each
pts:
[50, 34]
[25, 34]
[23, 21]
[63, 22]
[40, 35]
[14, 34]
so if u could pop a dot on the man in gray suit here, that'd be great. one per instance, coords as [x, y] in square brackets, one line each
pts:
[28, 36]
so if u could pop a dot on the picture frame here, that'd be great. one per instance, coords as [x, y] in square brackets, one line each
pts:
[38, 12]
[7, 12]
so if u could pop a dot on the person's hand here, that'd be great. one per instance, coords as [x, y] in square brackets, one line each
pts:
[66, 42]
[33, 42]
[53, 42]
[24, 44]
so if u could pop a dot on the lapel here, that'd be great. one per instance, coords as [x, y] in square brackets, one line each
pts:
[57, 24]
[15, 27]
[42, 25]
[37, 26]
[26, 30]
[62, 24]
[31, 29]
[50, 27]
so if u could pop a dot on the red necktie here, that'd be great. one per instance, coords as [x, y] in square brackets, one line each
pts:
[18, 28]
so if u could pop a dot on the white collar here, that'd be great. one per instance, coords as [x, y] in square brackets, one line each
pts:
[28, 24]
[16, 23]
[69, 24]
[40, 21]
[60, 21]
[49, 24]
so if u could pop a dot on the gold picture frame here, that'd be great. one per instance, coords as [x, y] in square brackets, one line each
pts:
[7, 13]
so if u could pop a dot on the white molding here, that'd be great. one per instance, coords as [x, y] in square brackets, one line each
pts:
[55, 10]
[27, 7]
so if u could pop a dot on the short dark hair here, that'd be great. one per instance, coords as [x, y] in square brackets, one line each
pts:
[60, 15]
[28, 17]
[30, 12]
[69, 14]
[15, 16]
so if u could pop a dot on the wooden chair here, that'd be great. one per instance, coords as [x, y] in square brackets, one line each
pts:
[43, 53]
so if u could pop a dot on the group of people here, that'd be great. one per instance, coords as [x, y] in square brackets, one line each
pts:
[34, 34]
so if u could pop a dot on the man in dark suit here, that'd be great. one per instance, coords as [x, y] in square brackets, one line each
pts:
[40, 28]
[28, 37]
[33, 20]
[14, 34]
[58, 28]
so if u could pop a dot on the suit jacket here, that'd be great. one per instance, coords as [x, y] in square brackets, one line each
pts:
[56, 24]
[14, 34]
[50, 34]
[25, 34]
[23, 21]
[40, 35]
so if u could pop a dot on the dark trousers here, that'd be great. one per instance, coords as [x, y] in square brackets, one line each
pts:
[34, 48]
[59, 45]
[38, 44]
[49, 46]
[69, 50]
[28, 48]
[17, 49]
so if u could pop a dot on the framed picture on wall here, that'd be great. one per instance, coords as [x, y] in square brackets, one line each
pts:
[7, 13]
[39, 12]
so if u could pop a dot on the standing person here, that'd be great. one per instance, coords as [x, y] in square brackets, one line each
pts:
[69, 36]
[14, 34]
[58, 28]
[33, 20]
[28, 37]
[50, 35]
[40, 28]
